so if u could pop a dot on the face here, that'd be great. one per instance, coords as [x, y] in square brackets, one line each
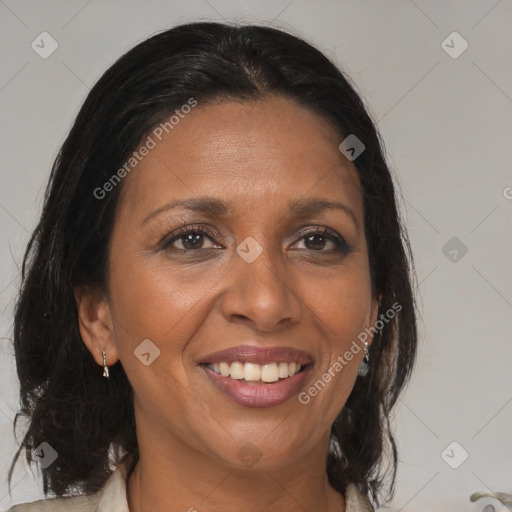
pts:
[252, 275]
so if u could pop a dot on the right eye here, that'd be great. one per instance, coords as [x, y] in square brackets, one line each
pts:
[191, 239]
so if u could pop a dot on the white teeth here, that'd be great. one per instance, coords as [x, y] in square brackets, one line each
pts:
[224, 369]
[236, 371]
[252, 371]
[283, 370]
[270, 372]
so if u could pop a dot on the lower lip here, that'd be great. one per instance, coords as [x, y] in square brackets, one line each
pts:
[258, 395]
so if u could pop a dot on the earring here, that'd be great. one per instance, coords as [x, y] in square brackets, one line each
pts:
[105, 367]
[365, 366]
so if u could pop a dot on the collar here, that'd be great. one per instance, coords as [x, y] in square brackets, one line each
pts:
[113, 494]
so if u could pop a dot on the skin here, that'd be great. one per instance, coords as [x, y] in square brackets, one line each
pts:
[257, 157]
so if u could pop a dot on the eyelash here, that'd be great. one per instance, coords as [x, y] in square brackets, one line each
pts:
[341, 245]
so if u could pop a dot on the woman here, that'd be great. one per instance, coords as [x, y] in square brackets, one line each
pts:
[216, 310]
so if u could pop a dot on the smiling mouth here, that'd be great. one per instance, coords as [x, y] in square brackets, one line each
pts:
[252, 373]
[257, 376]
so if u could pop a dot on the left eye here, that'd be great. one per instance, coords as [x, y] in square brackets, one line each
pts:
[319, 244]
[323, 236]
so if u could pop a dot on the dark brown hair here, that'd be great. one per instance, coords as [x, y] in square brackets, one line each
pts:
[68, 402]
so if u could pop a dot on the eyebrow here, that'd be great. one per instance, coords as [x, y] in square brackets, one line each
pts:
[211, 205]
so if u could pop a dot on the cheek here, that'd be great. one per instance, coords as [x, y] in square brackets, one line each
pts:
[151, 297]
[156, 299]
[341, 310]
[342, 305]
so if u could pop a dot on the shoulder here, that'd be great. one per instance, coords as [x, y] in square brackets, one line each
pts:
[110, 498]
[68, 504]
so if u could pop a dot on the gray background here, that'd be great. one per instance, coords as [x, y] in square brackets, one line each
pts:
[447, 126]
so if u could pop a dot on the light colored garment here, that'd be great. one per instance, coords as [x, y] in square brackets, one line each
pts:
[112, 498]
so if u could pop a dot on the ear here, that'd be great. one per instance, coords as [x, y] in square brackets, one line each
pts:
[95, 324]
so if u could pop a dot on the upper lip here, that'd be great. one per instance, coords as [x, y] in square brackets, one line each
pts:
[258, 355]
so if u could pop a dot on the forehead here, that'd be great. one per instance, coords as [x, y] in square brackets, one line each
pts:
[247, 153]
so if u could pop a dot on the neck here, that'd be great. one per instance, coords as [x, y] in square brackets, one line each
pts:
[178, 478]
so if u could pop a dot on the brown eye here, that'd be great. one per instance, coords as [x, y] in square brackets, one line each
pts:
[318, 240]
[191, 239]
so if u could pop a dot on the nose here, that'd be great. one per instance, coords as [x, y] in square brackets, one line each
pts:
[260, 292]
